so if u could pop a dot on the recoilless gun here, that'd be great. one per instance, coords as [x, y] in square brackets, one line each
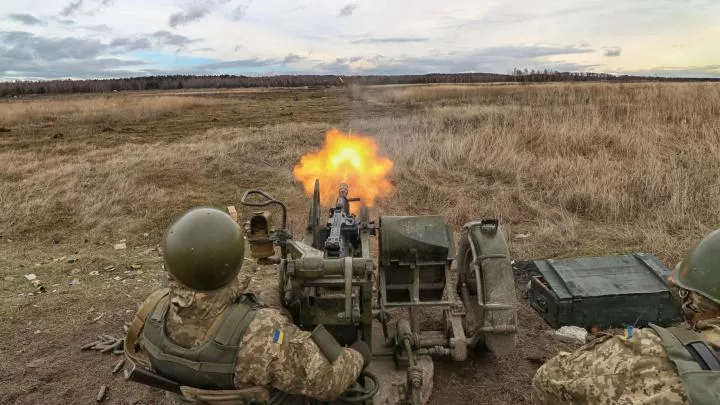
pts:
[329, 278]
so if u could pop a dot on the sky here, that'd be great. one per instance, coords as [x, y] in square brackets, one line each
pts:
[54, 39]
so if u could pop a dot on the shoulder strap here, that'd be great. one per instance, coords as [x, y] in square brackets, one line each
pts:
[701, 385]
[685, 336]
[252, 300]
[251, 395]
[676, 350]
[698, 348]
[131, 338]
[233, 326]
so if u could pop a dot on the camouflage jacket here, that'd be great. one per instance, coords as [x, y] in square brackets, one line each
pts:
[274, 352]
[615, 370]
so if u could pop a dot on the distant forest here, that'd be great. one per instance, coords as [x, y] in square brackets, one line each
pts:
[21, 88]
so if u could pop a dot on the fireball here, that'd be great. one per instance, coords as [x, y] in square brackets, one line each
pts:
[346, 158]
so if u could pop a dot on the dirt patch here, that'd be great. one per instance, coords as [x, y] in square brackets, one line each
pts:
[486, 379]
[42, 333]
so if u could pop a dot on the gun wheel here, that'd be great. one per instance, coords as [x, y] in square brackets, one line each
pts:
[466, 258]
[469, 250]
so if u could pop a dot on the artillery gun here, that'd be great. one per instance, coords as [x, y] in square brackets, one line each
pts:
[330, 278]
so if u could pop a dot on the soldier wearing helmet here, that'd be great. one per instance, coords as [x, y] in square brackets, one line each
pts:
[654, 365]
[217, 341]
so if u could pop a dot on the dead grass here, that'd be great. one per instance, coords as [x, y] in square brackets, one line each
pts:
[597, 168]
[95, 109]
[581, 168]
[587, 168]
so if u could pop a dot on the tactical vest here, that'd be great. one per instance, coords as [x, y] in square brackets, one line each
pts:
[696, 364]
[211, 365]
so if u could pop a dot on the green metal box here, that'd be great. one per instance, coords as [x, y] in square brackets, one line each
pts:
[408, 243]
[603, 292]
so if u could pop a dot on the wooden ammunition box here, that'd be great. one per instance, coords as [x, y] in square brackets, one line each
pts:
[603, 292]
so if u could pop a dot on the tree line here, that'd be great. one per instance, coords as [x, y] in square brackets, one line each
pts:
[173, 82]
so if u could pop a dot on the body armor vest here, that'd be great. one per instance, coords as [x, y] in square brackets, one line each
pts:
[696, 363]
[211, 365]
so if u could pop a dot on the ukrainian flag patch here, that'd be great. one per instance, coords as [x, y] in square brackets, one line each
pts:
[629, 333]
[278, 336]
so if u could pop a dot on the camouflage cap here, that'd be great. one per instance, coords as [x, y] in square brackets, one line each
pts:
[204, 249]
[700, 271]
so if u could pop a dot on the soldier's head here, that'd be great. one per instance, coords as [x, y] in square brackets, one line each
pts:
[697, 279]
[204, 249]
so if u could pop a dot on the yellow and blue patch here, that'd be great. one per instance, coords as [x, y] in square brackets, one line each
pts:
[629, 332]
[278, 336]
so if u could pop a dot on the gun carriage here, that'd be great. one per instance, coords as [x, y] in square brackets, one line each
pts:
[329, 278]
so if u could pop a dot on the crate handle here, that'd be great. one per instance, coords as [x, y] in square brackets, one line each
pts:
[540, 304]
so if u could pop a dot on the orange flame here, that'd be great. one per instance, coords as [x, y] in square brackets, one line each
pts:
[350, 159]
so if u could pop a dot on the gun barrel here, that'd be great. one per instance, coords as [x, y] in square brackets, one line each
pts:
[343, 190]
[343, 203]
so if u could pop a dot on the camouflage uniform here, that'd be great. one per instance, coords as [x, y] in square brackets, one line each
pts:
[294, 365]
[615, 370]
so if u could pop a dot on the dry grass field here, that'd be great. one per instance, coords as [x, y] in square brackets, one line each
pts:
[581, 169]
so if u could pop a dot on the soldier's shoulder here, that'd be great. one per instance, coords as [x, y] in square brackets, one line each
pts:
[268, 318]
[710, 330]
[271, 313]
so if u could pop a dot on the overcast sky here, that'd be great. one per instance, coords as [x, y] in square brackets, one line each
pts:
[47, 39]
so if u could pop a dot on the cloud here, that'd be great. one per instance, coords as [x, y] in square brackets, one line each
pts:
[129, 44]
[76, 6]
[100, 27]
[25, 55]
[202, 8]
[499, 59]
[239, 12]
[52, 48]
[17, 54]
[66, 22]
[87, 69]
[29, 55]
[525, 51]
[241, 64]
[26, 19]
[72, 8]
[292, 58]
[341, 65]
[168, 38]
[186, 17]
[507, 13]
[348, 10]
[703, 71]
[390, 40]
[612, 52]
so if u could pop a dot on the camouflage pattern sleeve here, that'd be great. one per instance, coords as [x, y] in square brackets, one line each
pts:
[276, 353]
[611, 371]
[710, 329]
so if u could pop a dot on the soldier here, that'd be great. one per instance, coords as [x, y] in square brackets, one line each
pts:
[206, 333]
[651, 365]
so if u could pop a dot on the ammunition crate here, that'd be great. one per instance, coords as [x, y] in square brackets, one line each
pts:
[603, 292]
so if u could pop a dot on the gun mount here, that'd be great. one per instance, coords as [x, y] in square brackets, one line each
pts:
[329, 278]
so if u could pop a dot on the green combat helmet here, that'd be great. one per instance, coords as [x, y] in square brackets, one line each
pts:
[204, 249]
[700, 271]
